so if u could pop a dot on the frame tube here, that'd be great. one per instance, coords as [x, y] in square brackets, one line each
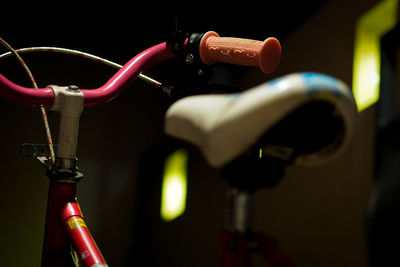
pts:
[56, 245]
[65, 227]
[80, 236]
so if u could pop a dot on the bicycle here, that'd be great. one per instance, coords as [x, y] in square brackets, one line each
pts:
[67, 239]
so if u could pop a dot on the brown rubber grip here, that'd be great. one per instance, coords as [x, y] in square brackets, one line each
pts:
[265, 55]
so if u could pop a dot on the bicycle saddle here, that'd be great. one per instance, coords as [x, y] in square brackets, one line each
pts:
[308, 117]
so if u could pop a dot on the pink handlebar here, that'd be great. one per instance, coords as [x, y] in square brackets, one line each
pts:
[212, 48]
[92, 97]
[127, 74]
[265, 55]
[25, 96]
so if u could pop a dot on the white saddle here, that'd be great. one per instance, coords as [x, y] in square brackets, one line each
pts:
[224, 126]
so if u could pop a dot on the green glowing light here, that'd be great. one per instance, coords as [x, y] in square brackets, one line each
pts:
[367, 57]
[174, 186]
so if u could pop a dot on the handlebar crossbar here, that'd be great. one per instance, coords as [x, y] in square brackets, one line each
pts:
[127, 74]
[92, 97]
[24, 95]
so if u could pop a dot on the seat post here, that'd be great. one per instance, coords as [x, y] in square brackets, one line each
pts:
[240, 211]
[245, 175]
[234, 243]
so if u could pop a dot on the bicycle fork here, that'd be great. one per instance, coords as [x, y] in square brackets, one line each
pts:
[67, 236]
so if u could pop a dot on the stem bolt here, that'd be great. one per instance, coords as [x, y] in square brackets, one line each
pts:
[73, 88]
[189, 59]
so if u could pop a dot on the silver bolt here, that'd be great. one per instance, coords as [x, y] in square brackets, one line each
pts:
[73, 88]
[189, 59]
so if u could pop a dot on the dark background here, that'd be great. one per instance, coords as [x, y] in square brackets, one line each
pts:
[121, 30]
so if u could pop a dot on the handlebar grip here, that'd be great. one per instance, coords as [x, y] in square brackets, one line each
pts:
[265, 55]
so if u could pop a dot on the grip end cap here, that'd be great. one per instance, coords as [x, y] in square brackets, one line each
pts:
[270, 55]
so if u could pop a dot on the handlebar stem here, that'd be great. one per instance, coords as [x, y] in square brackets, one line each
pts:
[69, 102]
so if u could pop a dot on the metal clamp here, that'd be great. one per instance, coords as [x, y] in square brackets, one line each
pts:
[64, 170]
[39, 152]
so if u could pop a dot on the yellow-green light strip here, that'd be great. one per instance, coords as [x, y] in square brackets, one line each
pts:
[367, 56]
[174, 185]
